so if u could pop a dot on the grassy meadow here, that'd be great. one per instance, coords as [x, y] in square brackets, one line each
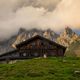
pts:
[42, 69]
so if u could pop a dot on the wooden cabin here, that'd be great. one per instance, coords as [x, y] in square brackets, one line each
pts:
[34, 47]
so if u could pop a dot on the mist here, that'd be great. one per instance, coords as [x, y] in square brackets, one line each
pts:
[40, 14]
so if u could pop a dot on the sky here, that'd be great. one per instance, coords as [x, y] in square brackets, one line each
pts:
[40, 14]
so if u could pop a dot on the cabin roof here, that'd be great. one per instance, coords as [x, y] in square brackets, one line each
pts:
[9, 52]
[41, 38]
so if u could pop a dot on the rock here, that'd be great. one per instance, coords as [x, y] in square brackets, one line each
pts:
[67, 37]
[77, 72]
[64, 61]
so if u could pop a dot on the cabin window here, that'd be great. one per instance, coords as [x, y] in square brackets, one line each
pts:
[24, 54]
[54, 47]
[42, 44]
[33, 44]
[15, 55]
[52, 53]
[60, 52]
[35, 54]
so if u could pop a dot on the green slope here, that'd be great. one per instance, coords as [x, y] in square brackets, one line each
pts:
[74, 49]
[42, 69]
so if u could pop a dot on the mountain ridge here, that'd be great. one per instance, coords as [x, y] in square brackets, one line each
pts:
[65, 38]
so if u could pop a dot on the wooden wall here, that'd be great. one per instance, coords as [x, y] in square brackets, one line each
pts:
[36, 48]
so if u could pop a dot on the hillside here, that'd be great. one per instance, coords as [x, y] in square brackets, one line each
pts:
[42, 69]
[74, 49]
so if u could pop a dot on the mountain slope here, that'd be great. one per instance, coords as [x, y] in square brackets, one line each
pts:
[6, 45]
[74, 49]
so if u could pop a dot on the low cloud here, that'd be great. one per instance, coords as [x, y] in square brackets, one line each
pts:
[40, 14]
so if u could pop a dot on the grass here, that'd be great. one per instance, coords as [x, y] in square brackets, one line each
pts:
[42, 69]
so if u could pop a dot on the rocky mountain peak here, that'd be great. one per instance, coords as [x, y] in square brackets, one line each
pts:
[68, 30]
[21, 30]
[24, 34]
[67, 37]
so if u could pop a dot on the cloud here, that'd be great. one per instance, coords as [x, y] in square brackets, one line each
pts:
[68, 13]
[54, 14]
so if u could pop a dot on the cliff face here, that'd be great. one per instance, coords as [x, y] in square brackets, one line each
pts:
[74, 49]
[24, 35]
[6, 45]
[67, 37]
